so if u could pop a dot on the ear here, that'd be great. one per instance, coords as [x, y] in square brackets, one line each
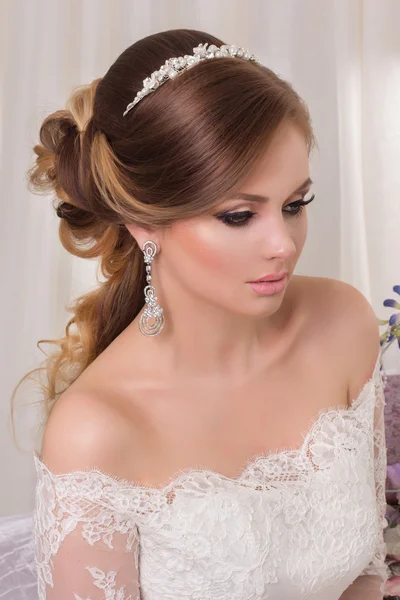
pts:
[142, 235]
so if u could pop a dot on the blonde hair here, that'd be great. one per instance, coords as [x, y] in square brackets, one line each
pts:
[174, 155]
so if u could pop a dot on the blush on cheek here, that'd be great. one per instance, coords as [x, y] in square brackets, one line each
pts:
[204, 247]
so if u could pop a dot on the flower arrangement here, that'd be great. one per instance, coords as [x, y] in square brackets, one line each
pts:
[392, 531]
[392, 332]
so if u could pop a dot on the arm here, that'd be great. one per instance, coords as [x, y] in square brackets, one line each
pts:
[86, 538]
[85, 548]
[369, 585]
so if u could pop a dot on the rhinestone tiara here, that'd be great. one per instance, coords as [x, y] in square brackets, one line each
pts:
[173, 66]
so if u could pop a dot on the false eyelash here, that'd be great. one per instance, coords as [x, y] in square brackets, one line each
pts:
[229, 218]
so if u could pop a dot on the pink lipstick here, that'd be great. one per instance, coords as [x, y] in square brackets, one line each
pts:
[270, 284]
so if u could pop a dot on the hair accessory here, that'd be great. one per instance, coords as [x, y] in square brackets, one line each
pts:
[173, 66]
[152, 310]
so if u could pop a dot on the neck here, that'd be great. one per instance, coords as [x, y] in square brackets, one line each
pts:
[200, 339]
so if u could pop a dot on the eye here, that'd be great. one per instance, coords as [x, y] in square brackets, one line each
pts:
[298, 206]
[242, 218]
[236, 219]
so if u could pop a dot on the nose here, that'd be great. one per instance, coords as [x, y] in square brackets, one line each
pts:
[278, 241]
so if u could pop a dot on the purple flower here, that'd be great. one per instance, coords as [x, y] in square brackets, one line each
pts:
[393, 473]
[393, 330]
[391, 303]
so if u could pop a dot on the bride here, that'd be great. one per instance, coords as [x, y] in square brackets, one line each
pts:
[213, 421]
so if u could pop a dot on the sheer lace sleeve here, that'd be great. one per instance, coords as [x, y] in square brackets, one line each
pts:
[86, 539]
[370, 583]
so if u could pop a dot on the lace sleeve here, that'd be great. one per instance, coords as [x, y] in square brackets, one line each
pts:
[86, 542]
[371, 581]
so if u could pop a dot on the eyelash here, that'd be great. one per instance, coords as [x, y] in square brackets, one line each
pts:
[229, 218]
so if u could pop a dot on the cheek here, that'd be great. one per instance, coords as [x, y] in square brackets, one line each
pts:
[300, 232]
[297, 230]
[206, 248]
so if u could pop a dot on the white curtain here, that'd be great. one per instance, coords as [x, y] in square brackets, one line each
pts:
[343, 57]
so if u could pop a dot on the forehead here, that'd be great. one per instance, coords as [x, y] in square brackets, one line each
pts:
[283, 166]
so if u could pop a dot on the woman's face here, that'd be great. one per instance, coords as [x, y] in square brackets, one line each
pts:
[214, 257]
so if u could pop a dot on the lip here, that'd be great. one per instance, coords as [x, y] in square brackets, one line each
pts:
[269, 288]
[271, 277]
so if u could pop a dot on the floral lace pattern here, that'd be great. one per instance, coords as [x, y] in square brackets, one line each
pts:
[106, 582]
[74, 523]
[300, 524]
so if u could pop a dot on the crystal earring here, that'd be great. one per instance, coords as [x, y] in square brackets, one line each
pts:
[152, 310]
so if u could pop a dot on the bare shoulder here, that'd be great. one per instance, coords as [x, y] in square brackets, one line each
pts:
[85, 432]
[330, 290]
[347, 323]
[345, 307]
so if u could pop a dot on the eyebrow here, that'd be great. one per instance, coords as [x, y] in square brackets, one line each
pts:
[257, 198]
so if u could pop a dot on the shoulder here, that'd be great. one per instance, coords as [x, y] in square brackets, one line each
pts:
[337, 301]
[85, 432]
[332, 291]
[339, 295]
[347, 309]
[347, 323]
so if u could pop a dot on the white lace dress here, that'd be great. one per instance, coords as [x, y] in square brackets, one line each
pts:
[297, 524]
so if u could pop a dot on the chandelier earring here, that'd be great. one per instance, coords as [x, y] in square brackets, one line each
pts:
[152, 320]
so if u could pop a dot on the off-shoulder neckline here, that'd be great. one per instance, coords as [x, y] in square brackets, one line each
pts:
[178, 478]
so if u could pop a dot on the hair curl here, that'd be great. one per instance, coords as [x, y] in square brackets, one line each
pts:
[174, 155]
